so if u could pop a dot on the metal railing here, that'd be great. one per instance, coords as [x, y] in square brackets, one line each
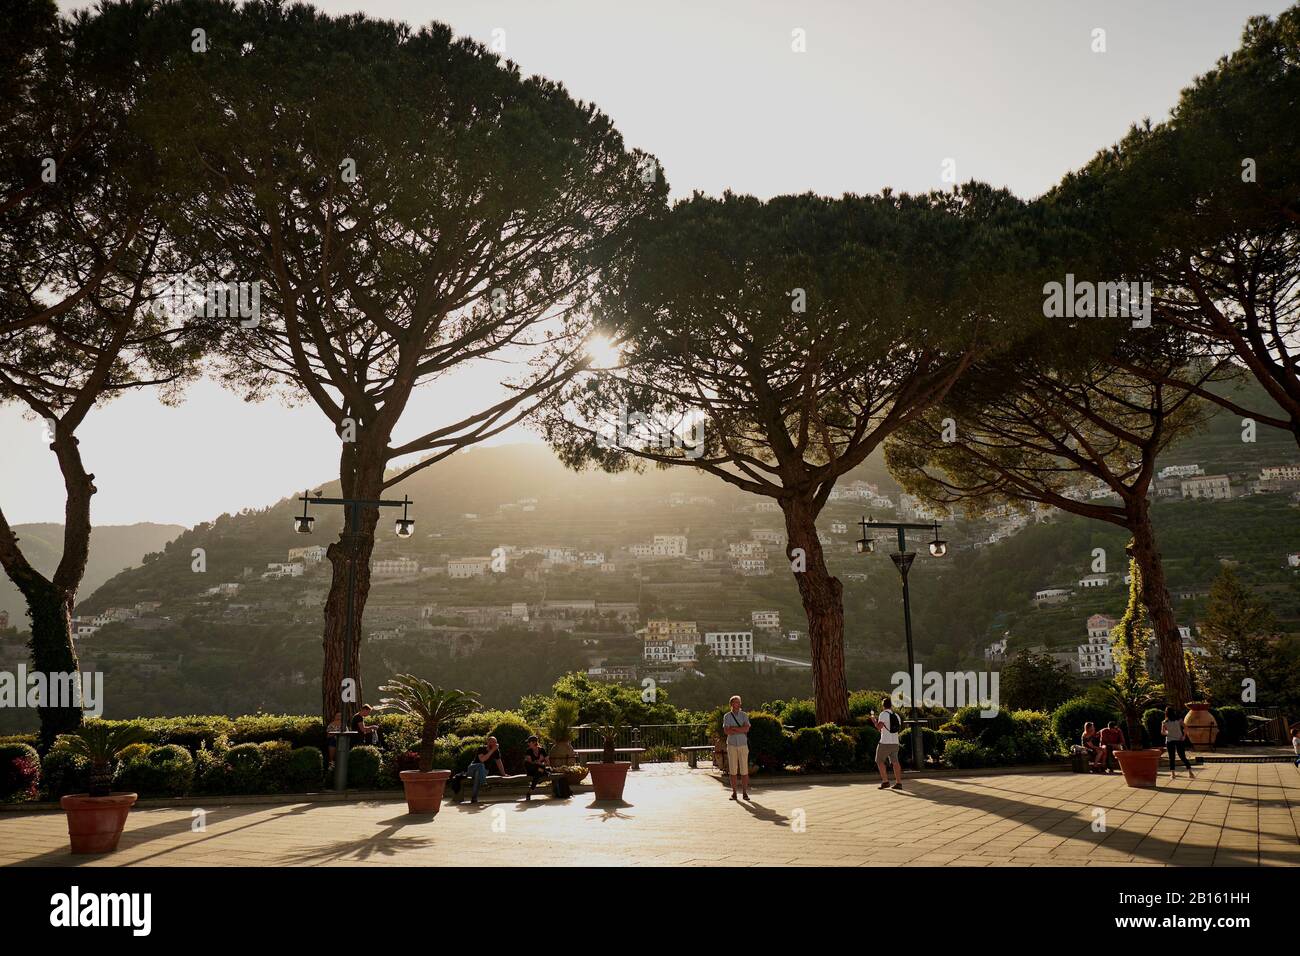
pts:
[645, 735]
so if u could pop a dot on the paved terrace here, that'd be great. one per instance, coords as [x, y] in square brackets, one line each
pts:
[1230, 815]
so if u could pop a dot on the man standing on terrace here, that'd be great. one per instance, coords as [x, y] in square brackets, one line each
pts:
[735, 724]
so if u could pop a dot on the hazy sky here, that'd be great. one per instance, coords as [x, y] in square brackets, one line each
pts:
[887, 90]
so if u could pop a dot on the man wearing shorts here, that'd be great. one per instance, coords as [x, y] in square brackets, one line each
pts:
[889, 725]
[735, 724]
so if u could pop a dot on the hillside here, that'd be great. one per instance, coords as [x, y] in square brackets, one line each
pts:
[113, 548]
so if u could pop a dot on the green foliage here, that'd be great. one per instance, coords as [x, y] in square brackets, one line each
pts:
[64, 770]
[1240, 635]
[823, 748]
[799, 714]
[165, 771]
[660, 753]
[20, 772]
[864, 755]
[1035, 681]
[930, 741]
[1233, 723]
[1152, 718]
[244, 763]
[305, 770]
[1069, 718]
[561, 717]
[969, 724]
[364, 763]
[262, 728]
[769, 744]
[512, 734]
[427, 705]
[965, 755]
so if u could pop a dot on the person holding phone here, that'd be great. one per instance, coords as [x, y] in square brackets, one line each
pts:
[890, 726]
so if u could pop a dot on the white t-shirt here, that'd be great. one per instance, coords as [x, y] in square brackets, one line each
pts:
[888, 736]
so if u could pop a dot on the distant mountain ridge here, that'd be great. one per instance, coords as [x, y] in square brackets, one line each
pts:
[113, 548]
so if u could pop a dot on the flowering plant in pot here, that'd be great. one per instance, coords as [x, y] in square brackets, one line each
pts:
[432, 707]
[609, 775]
[96, 819]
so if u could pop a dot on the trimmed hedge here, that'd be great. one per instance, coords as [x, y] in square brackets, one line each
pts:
[364, 763]
[769, 744]
[166, 771]
[1069, 718]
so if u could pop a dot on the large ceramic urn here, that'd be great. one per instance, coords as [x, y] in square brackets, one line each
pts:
[1199, 725]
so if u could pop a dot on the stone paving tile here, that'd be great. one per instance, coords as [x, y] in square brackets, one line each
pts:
[1228, 815]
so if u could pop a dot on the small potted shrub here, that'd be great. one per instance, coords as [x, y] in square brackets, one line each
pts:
[96, 819]
[559, 728]
[432, 707]
[609, 775]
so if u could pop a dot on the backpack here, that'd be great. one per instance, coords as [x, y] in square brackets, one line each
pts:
[891, 721]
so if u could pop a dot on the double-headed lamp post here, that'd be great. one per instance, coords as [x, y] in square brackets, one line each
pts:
[302, 524]
[903, 559]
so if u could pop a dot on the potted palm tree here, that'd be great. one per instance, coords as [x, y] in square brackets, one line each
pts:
[609, 775]
[1131, 690]
[433, 707]
[96, 819]
[559, 728]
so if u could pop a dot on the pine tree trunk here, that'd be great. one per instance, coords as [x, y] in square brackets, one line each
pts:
[363, 479]
[1155, 595]
[53, 653]
[822, 595]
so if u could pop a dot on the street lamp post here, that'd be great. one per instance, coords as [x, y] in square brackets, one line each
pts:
[352, 536]
[903, 559]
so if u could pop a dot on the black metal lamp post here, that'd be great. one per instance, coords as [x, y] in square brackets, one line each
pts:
[903, 559]
[404, 528]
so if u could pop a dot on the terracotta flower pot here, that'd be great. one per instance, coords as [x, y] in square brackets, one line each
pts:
[607, 779]
[1139, 766]
[424, 790]
[95, 824]
[1200, 726]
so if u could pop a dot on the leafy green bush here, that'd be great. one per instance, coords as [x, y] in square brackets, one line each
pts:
[826, 747]
[166, 771]
[468, 748]
[969, 723]
[1032, 733]
[1069, 718]
[769, 744]
[1233, 723]
[305, 770]
[264, 728]
[929, 740]
[799, 714]
[20, 772]
[211, 772]
[64, 771]
[1152, 718]
[363, 766]
[512, 734]
[245, 762]
[190, 732]
[864, 753]
[964, 754]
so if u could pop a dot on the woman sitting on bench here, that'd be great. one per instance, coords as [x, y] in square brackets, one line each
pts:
[535, 764]
[1091, 741]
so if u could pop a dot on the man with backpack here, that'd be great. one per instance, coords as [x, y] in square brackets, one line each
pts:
[890, 725]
